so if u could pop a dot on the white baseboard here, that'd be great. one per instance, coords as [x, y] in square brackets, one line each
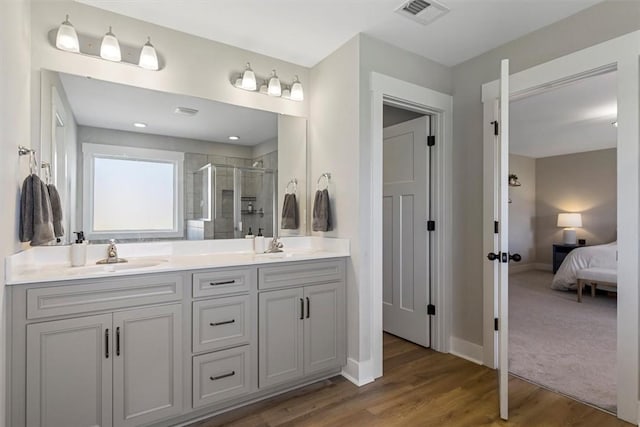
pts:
[358, 373]
[466, 350]
[543, 267]
[521, 268]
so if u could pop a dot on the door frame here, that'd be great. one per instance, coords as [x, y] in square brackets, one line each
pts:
[399, 93]
[621, 54]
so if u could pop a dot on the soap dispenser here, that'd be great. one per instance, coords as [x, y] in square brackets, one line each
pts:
[252, 237]
[259, 242]
[79, 250]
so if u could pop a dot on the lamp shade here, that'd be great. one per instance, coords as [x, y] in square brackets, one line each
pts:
[274, 88]
[110, 48]
[297, 94]
[67, 38]
[249, 79]
[148, 56]
[567, 220]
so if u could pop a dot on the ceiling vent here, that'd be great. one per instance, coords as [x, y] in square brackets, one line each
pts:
[422, 11]
[186, 111]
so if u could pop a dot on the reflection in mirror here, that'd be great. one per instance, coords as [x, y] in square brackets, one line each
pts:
[136, 164]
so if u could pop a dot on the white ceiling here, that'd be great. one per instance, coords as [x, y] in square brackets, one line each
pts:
[306, 31]
[569, 119]
[114, 106]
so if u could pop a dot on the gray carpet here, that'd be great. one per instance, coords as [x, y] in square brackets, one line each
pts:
[561, 344]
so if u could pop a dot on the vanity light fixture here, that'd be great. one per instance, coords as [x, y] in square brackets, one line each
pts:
[264, 89]
[286, 93]
[110, 48]
[67, 38]
[234, 138]
[140, 125]
[297, 94]
[274, 85]
[249, 79]
[148, 56]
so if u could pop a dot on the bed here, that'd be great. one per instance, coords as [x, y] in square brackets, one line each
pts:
[599, 256]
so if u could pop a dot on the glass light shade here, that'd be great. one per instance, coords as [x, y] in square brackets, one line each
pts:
[264, 89]
[274, 85]
[297, 94]
[286, 93]
[569, 220]
[148, 56]
[67, 38]
[249, 79]
[110, 48]
[238, 82]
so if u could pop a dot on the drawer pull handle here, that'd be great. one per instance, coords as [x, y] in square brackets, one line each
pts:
[225, 322]
[224, 282]
[219, 377]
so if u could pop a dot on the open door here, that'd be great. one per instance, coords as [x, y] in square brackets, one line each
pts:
[500, 254]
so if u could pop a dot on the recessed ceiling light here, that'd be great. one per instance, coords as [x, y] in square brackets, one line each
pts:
[234, 138]
[186, 111]
[140, 125]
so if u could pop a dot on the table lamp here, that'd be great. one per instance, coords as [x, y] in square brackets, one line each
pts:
[568, 221]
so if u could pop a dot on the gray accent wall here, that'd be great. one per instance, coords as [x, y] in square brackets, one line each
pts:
[597, 24]
[581, 182]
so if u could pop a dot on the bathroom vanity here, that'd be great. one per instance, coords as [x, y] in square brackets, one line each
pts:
[171, 338]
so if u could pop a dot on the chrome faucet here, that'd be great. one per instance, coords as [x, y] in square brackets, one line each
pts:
[112, 254]
[274, 246]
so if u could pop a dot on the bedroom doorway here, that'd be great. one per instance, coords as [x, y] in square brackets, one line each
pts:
[563, 172]
[406, 202]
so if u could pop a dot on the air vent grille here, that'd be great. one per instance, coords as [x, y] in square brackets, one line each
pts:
[416, 6]
[422, 11]
[186, 111]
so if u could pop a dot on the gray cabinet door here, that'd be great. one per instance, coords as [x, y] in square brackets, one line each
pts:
[280, 336]
[147, 365]
[324, 325]
[69, 372]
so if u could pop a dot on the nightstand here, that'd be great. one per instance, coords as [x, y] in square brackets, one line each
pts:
[560, 251]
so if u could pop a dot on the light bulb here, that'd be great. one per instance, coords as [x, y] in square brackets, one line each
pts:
[110, 48]
[148, 56]
[274, 85]
[297, 94]
[249, 78]
[67, 38]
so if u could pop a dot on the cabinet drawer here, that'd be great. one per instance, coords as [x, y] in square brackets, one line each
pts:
[224, 281]
[103, 295]
[300, 274]
[221, 375]
[222, 322]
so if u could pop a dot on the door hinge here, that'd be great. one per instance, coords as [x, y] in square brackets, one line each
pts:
[431, 309]
[431, 225]
[496, 127]
[431, 140]
[495, 324]
[496, 227]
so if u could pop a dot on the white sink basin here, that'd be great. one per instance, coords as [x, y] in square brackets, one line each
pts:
[278, 255]
[110, 268]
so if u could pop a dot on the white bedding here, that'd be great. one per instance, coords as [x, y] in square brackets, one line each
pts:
[602, 256]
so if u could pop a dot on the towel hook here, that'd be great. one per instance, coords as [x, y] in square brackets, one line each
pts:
[47, 171]
[294, 182]
[327, 176]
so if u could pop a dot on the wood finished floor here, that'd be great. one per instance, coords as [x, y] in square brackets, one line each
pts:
[420, 387]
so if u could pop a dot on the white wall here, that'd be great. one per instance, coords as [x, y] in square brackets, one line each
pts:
[15, 40]
[522, 209]
[292, 163]
[602, 22]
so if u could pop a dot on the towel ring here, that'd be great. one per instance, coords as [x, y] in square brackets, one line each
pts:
[327, 176]
[294, 182]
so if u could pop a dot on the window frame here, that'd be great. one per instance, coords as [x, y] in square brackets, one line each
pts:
[92, 151]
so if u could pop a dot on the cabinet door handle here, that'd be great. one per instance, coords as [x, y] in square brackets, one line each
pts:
[106, 343]
[225, 322]
[118, 341]
[308, 307]
[301, 309]
[224, 282]
[219, 377]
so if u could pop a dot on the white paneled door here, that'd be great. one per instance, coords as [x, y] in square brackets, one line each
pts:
[405, 236]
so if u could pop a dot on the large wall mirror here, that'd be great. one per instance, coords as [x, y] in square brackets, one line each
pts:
[137, 164]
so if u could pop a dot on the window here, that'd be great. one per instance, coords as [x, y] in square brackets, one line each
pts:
[132, 192]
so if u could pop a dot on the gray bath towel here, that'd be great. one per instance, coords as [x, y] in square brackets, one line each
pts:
[56, 209]
[289, 212]
[36, 217]
[322, 212]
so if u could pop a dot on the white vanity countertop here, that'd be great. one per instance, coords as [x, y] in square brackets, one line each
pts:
[51, 264]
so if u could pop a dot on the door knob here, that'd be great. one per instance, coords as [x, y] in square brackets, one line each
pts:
[493, 257]
[515, 257]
